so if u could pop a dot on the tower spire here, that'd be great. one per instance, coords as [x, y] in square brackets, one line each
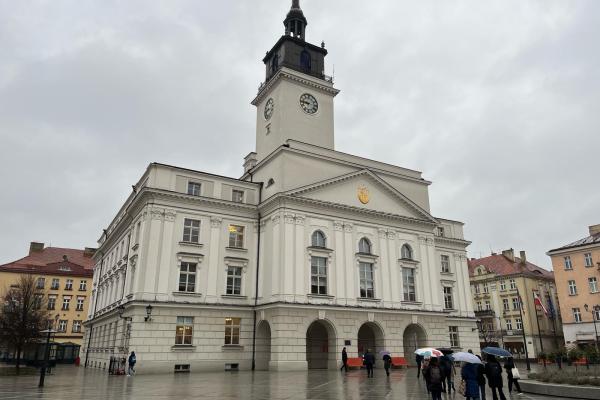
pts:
[295, 22]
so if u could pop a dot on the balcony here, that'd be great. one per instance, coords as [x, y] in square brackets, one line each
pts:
[485, 314]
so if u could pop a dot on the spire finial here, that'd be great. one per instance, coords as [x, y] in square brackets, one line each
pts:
[295, 3]
[295, 22]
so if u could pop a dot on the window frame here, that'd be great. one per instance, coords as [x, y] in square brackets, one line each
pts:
[512, 284]
[445, 263]
[76, 324]
[365, 269]
[509, 326]
[407, 285]
[316, 237]
[190, 277]
[236, 236]
[55, 284]
[190, 231]
[505, 305]
[588, 260]
[193, 186]
[238, 192]
[83, 285]
[318, 275]
[365, 246]
[51, 302]
[60, 323]
[593, 279]
[40, 283]
[576, 312]
[572, 285]
[232, 331]
[453, 335]
[236, 280]
[406, 252]
[80, 301]
[69, 284]
[568, 263]
[184, 331]
[502, 285]
[448, 298]
[519, 324]
[66, 303]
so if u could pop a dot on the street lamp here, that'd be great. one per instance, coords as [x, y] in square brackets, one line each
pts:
[595, 309]
[148, 316]
[49, 332]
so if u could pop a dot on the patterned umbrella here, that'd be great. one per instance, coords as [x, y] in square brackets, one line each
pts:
[429, 352]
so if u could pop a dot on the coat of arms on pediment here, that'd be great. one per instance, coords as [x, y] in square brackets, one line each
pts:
[363, 194]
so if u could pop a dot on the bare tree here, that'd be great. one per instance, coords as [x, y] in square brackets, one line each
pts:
[23, 315]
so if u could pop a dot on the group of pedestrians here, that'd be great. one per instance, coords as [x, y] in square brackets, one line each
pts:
[368, 361]
[439, 376]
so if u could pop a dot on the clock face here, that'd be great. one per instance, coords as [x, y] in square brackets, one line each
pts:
[309, 103]
[269, 107]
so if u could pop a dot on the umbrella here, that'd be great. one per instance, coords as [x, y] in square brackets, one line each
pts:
[429, 352]
[384, 352]
[446, 351]
[497, 351]
[466, 357]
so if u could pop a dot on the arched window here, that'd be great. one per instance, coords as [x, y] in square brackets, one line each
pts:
[364, 246]
[318, 239]
[406, 252]
[305, 61]
[274, 63]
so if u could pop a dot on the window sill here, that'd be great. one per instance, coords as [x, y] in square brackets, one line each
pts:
[188, 294]
[192, 244]
[320, 296]
[450, 310]
[447, 273]
[183, 347]
[369, 299]
[236, 347]
[367, 255]
[240, 249]
[317, 248]
[411, 303]
[234, 296]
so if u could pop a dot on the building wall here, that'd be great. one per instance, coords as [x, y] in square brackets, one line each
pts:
[72, 314]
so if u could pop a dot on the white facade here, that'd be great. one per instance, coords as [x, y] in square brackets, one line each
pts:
[271, 297]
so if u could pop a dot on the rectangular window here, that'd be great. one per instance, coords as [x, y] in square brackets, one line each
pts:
[485, 288]
[568, 264]
[236, 236]
[453, 331]
[572, 288]
[232, 330]
[597, 313]
[408, 284]
[488, 306]
[505, 304]
[513, 284]
[237, 196]
[440, 231]
[593, 282]
[588, 260]
[234, 280]
[55, 283]
[479, 306]
[318, 275]
[66, 301]
[41, 282]
[62, 325]
[509, 324]
[194, 188]
[519, 324]
[37, 301]
[69, 284]
[366, 280]
[445, 263]
[515, 302]
[76, 326]
[184, 330]
[576, 314]
[82, 285]
[502, 286]
[476, 286]
[51, 302]
[187, 277]
[448, 302]
[80, 302]
[191, 230]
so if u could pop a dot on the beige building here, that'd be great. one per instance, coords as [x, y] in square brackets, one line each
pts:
[497, 281]
[577, 271]
[65, 275]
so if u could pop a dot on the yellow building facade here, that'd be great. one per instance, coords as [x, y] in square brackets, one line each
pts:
[577, 272]
[499, 284]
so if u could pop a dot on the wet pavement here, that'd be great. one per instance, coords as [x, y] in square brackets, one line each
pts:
[69, 382]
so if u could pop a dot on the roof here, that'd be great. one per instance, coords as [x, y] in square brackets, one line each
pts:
[51, 261]
[502, 265]
[592, 239]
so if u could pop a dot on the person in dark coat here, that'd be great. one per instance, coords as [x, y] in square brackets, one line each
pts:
[344, 360]
[470, 375]
[369, 361]
[493, 372]
[132, 360]
[508, 366]
[387, 363]
[419, 360]
[434, 376]
[446, 365]
[481, 378]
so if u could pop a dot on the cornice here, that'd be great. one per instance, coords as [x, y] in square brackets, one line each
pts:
[451, 241]
[290, 75]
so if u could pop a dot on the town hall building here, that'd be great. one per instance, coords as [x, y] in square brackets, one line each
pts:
[310, 251]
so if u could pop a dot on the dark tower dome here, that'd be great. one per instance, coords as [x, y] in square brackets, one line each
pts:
[295, 21]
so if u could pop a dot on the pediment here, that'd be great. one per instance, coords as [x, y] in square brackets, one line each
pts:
[363, 190]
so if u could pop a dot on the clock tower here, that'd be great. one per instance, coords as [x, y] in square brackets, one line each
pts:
[296, 99]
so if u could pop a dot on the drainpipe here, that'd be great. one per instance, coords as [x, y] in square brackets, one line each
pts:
[257, 277]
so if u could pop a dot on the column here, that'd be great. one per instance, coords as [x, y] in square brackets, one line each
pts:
[341, 270]
[164, 273]
[300, 265]
[275, 265]
[288, 256]
[210, 288]
[384, 290]
[351, 267]
[425, 295]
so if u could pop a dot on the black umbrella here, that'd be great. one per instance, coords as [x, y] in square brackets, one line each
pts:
[446, 351]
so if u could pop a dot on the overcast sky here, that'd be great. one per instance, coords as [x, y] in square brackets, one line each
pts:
[497, 103]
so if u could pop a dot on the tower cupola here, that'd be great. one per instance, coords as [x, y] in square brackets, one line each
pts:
[295, 21]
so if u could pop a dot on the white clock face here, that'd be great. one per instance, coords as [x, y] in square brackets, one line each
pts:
[309, 103]
[269, 107]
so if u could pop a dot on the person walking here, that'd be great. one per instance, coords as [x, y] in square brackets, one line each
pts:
[419, 360]
[344, 360]
[132, 360]
[369, 361]
[481, 378]
[434, 376]
[447, 367]
[509, 364]
[470, 374]
[493, 371]
[387, 363]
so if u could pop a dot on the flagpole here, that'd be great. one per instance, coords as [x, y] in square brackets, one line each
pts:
[538, 324]
[523, 330]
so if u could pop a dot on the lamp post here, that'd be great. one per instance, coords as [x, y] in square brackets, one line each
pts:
[148, 316]
[595, 309]
[49, 332]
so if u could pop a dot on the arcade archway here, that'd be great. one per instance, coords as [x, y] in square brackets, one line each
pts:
[320, 345]
[414, 337]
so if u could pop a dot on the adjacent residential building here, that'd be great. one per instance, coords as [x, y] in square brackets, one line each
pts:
[577, 271]
[65, 276]
[498, 282]
[309, 251]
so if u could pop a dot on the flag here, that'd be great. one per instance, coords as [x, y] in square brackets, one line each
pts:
[538, 302]
[551, 310]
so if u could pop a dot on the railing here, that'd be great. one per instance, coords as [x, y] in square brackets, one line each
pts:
[485, 313]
